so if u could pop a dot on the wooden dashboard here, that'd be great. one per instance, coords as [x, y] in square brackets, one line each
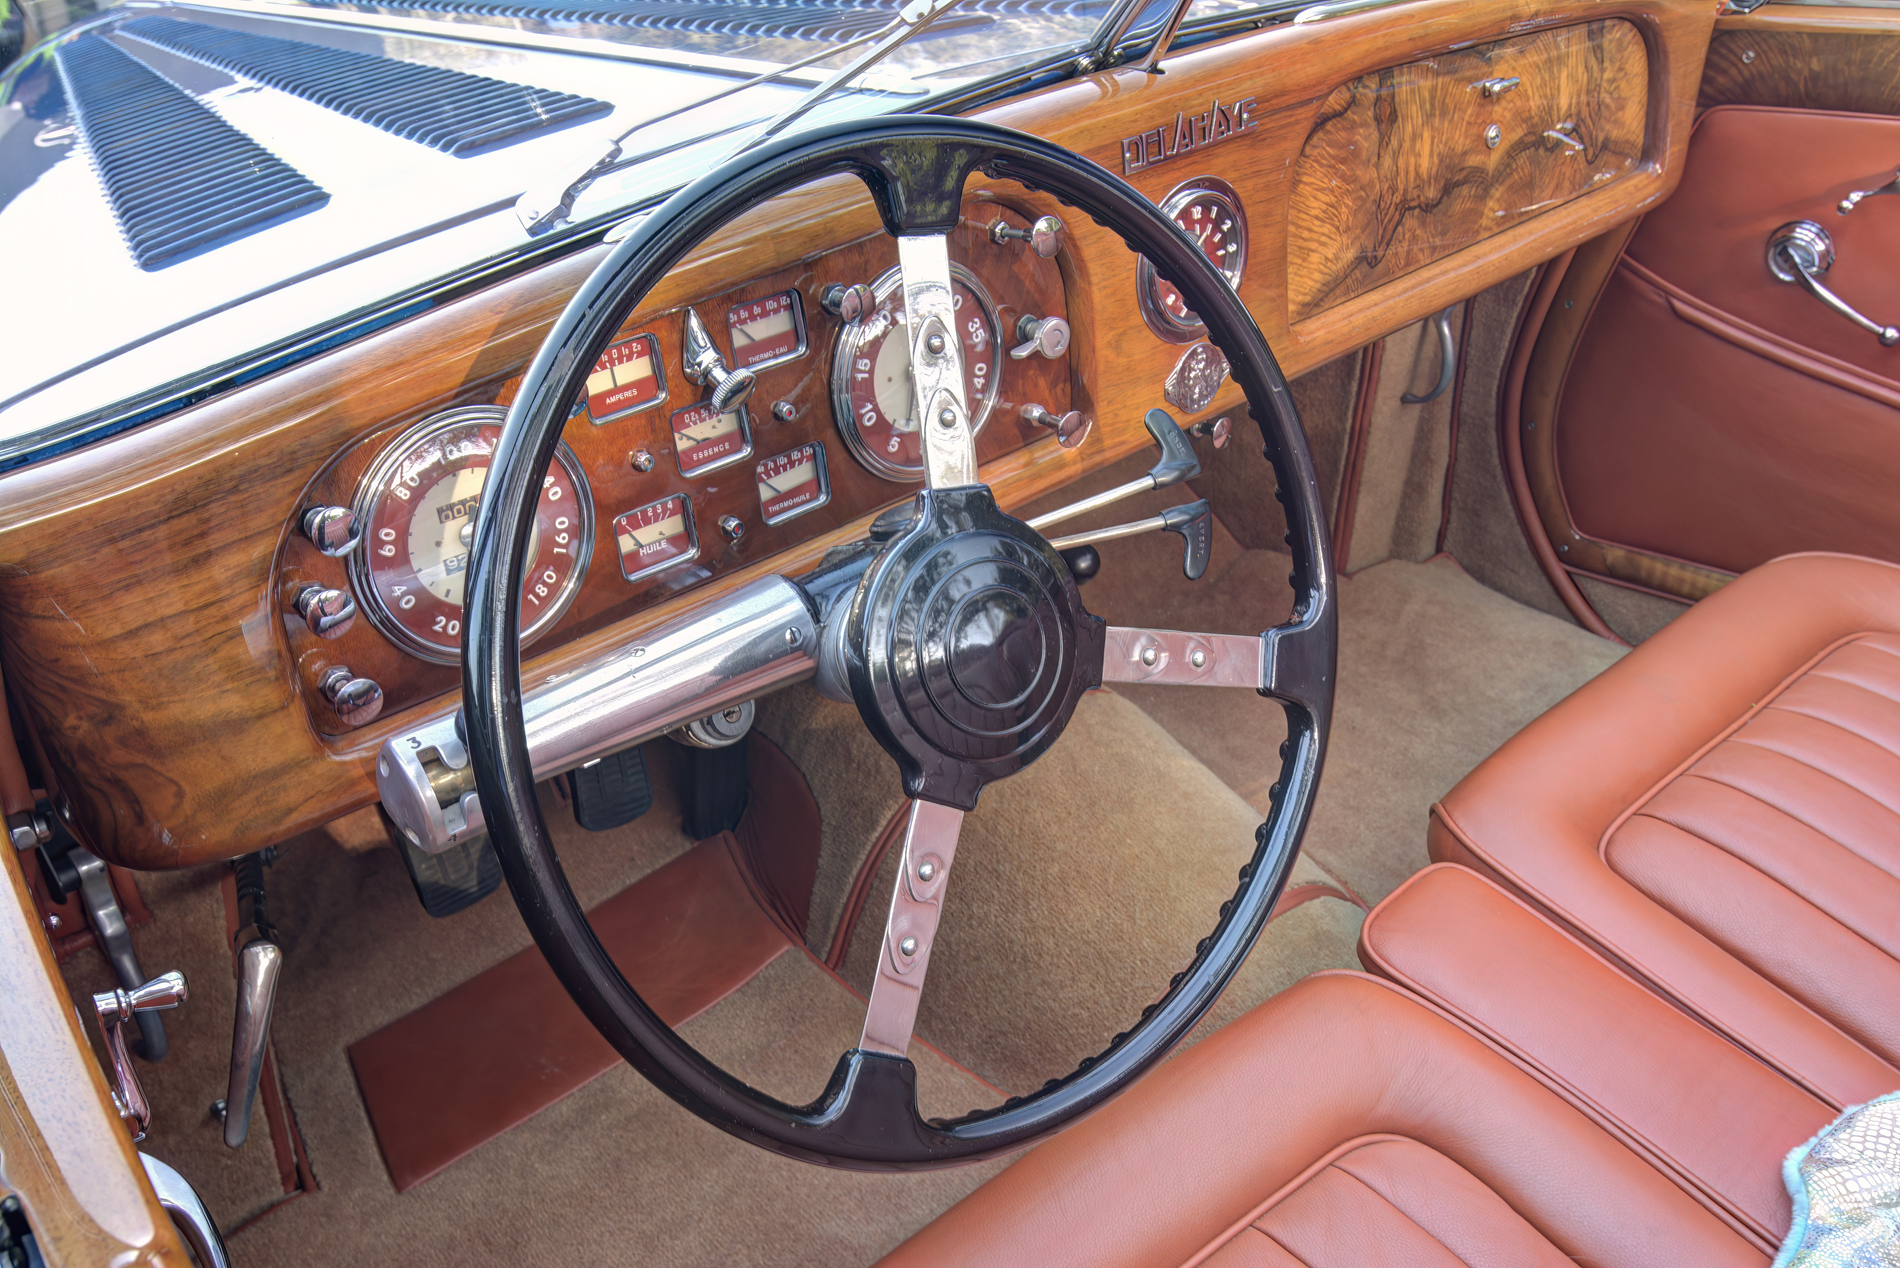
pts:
[143, 580]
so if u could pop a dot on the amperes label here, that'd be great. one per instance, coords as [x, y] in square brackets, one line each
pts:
[1187, 132]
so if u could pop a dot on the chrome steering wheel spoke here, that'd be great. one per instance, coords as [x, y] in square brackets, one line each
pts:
[936, 361]
[1292, 663]
[910, 929]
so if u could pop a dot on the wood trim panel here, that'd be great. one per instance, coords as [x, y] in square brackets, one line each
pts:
[1415, 162]
[136, 607]
[66, 1152]
[1804, 57]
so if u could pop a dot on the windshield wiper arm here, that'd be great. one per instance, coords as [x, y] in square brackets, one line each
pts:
[911, 19]
[551, 200]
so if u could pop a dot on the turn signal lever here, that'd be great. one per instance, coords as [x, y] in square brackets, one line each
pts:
[1194, 521]
[1801, 251]
[1177, 463]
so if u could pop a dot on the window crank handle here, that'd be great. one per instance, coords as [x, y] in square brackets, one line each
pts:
[1800, 252]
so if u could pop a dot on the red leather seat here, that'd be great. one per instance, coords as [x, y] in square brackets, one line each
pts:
[1341, 1124]
[1720, 812]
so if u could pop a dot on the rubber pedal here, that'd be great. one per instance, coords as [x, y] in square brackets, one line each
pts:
[612, 791]
[457, 878]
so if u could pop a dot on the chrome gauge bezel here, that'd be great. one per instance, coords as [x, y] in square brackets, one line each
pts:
[798, 324]
[373, 487]
[850, 338]
[1159, 319]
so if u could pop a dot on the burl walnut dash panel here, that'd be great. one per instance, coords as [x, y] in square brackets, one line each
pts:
[1412, 163]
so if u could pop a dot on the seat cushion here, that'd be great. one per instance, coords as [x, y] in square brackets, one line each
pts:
[1694, 1104]
[1342, 1124]
[1720, 811]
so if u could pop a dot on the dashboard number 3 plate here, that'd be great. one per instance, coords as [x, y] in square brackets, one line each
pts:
[419, 500]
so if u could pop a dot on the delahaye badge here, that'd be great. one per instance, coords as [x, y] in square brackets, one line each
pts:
[1188, 132]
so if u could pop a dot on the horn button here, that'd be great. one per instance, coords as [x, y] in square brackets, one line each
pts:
[968, 646]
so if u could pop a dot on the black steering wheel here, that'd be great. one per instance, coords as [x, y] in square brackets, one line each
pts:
[964, 642]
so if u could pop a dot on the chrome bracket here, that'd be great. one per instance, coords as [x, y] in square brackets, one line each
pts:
[936, 361]
[1177, 659]
[910, 930]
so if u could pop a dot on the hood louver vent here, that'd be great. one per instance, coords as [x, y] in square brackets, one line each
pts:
[447, 110]
[758, 19]
[179, 177]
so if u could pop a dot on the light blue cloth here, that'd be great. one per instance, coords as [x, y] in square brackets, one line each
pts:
[1846, 1189]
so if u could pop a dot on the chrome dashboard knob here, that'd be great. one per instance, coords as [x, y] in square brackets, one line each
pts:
[1047, 335]
[329, 613]
[849, 304]
[356, 700]
[706, 367]
[331, 529]
[1044, 236]
[1071, 429]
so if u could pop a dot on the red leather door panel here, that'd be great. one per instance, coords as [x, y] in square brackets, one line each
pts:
[1715, 415]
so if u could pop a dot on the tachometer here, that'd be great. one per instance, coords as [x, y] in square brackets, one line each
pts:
[418, 502]
[870, 374]
[1208, 211]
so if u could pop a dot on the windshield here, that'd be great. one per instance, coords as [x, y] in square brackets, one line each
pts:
[354, 186]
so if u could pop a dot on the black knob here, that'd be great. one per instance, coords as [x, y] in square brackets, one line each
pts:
[1083, 561]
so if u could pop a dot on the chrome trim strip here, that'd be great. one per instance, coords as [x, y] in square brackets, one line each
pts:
[188, 1213]
[1338, 8]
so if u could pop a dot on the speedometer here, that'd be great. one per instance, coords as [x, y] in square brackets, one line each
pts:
[418, 502]
[870, 374]
[1208, 211]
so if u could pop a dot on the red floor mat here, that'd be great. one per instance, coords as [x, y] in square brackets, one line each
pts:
[508, 1043]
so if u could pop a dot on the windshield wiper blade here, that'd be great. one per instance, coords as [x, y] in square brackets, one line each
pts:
[550, 201]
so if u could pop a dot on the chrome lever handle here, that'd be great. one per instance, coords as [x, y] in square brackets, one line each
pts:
[1852, 201]
[1447, 355]
[258, 966]
[118, 1008]
[1800, 252]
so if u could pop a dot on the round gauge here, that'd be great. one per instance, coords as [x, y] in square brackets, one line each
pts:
[418, 502]
[1208, 211]
[870, 375]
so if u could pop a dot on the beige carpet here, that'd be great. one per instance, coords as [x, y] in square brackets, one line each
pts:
[1435, 671]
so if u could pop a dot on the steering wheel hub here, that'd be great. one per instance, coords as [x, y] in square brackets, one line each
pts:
[968, 646]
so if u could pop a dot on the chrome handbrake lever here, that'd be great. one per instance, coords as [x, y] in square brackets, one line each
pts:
[1193, 521]
[1178, 463]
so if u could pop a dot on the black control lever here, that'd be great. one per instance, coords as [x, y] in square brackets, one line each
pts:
[1193, 521]
[1178, 463]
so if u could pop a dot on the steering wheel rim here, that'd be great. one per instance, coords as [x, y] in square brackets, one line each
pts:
[915, 168]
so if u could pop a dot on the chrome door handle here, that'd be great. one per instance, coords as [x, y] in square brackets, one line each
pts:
[1800, 252]
[1852, 201]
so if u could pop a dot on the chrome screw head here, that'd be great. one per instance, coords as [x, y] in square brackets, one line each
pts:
[936, 345]
[1197, 658]
[948, 417]
[926, 871]
[733, 715]
[1149, 655]
[641, 460]
[1493, 136]
[908, 946]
